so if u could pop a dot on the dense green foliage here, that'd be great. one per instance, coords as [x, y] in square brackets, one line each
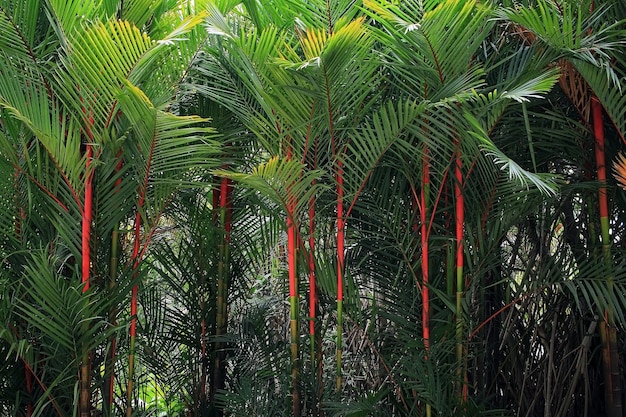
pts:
[238, 155]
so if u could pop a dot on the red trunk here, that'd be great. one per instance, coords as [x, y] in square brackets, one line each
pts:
[87, 211]
[225, 195]
[133, 308]
[608, 330]
[459, 220]
[222, 198]
[312, 281]
[340, 232]
[84, 404]
[135, 257]
[340, 269]
[424, 235]
[291, 254]
[598, 127]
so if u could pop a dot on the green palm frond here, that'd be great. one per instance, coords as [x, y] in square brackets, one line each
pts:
[20, 23]
[545, 182]
[605, 83]
[392, 126]
[68, 16]
[283, 181]
[441, 41]
[91, 80]
[63, 324]
[102, 56]
[569, 28]
[169, 151]
[138, 12]
[588, 40]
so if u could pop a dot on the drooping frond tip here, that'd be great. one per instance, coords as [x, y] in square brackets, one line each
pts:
[619, 170]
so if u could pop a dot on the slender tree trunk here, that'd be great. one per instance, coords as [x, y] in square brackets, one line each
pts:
[294, 305]
[424, 229]
[340, 269]
[208, 362]
[20, 216]
[221, 319]
[293, 309]
[314, 337]
[314, 334]
[424, 232]
[86, 221]
[109, 365]
[133, 310]
[612, 376]
[459, 222]
[84, 404]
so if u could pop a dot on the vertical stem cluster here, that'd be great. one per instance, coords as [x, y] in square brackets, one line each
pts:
[314, 335]
[608, 331]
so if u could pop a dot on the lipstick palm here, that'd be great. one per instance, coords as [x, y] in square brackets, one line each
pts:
[577, 36]
[323, 82]
[71, 90]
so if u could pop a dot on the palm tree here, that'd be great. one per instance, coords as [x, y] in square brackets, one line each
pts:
[94, 149]
[268, 85]
[579, 39]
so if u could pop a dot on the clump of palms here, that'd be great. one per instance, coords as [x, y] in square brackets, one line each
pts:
[392, 226]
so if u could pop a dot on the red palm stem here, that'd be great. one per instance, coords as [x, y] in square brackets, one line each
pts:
[340, 265]
[459, 223]
[86, 221]
[424, 196]
[612, 377]
[133, 308]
